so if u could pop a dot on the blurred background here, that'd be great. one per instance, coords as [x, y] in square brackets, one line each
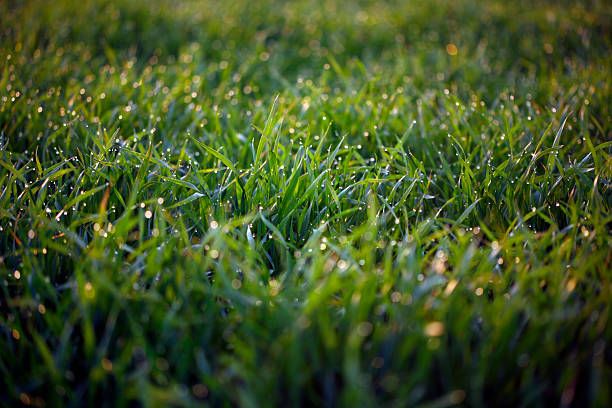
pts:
[473, 45]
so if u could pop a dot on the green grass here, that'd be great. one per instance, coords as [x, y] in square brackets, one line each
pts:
[305, 203]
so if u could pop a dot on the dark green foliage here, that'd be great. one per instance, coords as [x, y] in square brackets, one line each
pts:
[305, 203]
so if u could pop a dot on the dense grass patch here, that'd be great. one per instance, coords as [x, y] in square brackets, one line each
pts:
[305, 203]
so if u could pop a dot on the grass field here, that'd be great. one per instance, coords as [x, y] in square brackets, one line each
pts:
[319, 203]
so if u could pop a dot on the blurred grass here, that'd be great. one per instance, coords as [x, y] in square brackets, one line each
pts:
[305, 203]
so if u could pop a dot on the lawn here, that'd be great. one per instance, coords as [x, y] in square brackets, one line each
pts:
[305, 203]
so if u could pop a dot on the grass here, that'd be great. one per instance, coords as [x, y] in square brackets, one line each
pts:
[305, 203]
